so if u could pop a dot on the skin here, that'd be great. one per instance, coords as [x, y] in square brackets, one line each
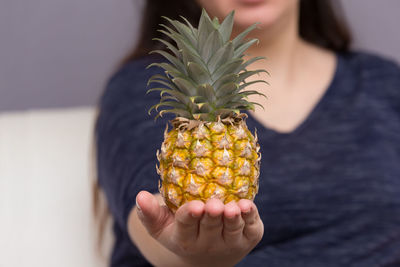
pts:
[270, 14]
[199, 234]
[214, 234]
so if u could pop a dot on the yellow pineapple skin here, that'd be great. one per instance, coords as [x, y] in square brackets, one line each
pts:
[211, 160]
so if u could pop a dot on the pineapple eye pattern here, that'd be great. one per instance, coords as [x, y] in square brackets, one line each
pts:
[209, 153]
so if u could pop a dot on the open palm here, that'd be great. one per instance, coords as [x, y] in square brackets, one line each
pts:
[203, 234]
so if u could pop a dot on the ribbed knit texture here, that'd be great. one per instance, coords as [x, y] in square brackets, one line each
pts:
[329, 191]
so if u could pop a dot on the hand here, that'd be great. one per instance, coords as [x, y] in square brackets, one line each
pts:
[211, 234]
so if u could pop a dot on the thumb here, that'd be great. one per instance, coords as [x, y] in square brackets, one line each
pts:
[154, 217]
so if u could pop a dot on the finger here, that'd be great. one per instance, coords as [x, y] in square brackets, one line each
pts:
[153, 216]
[187, 219]
[211, 224]
[253, 228]
[233, 224]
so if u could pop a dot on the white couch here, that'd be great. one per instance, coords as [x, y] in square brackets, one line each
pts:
[45, 189]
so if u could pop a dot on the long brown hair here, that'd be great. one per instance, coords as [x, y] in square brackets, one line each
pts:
[319, 24]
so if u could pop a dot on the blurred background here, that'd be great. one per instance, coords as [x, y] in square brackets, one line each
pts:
[57, 53]
[55, 58]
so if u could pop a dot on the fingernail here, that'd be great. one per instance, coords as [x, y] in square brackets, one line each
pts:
[138, 207]
[195, 215]
[213, 216]
[234, 217]
[247, 211]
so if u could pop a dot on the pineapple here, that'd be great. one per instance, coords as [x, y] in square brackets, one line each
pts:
[209, 153]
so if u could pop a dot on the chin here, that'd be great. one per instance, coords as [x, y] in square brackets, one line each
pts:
[247, 12]
[264, 16]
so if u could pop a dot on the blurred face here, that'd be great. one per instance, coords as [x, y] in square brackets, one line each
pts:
[247, 12]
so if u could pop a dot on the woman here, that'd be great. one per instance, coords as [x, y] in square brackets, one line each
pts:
[330, 138]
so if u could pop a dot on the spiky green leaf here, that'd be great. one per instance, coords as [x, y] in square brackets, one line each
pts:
[194, 30]
[205, 28]
[225, 112]
[180, 41]
[189, 57]
[251, 92]
[171, 47]
[174, 60]
[206, 91]
[182, 98]
[226, 27]
[230, 77]
[212, 44]
[248, 62]
[173, 104]
[177, 112]
[227, 68]
[247, 84]
[169, 69]
[164, 80]
[206, 74]
[206, 108]
[244, 75]
[184, 30]
[239, 38]
[243, 47]
[186, 86]
[222, 55]
[226, 89]
[197, 73]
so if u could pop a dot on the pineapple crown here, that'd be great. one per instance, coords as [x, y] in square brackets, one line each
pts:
[205, 77]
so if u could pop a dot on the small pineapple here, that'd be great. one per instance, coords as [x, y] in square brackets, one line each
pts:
[209, 153]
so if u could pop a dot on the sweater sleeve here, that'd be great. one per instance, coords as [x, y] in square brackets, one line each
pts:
[127, 139]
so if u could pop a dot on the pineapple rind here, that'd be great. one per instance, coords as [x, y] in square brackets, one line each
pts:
[228, 173]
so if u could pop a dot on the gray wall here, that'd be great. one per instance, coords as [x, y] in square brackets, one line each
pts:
[59, 53]
[375, 24]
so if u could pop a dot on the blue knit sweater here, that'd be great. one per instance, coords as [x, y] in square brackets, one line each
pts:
[329, 190]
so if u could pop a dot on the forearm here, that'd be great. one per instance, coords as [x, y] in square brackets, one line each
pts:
[151, 249]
